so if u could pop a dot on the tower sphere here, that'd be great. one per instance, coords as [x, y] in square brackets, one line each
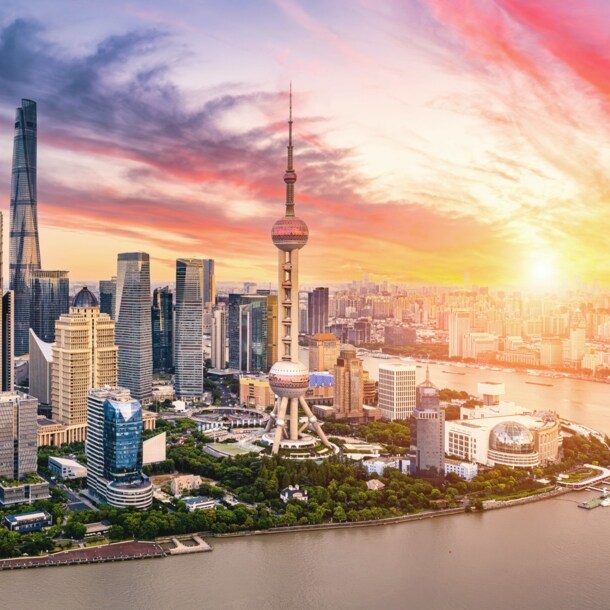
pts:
[289, 233]
[289, 379]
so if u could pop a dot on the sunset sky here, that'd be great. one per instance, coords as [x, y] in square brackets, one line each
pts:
[432, 137]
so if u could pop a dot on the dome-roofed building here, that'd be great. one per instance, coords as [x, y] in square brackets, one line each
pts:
[85, 298]
[512, 444]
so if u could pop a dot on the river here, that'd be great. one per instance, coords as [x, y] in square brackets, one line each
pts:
[544, 555]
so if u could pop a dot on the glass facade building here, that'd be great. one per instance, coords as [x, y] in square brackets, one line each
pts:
[24, 244]
[115, 449]
[248, 332]
[133, 324]
[122, 441]
[188, 354]
[108, 296]
[49, 299]
[209, 282]
[317, 311]
[162, 320]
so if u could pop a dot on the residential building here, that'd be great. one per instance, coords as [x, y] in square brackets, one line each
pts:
[133, 324]
[293, 492]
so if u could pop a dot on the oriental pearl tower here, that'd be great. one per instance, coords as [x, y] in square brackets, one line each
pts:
[289, 378]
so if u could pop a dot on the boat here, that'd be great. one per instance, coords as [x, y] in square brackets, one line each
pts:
[453, 372]
[548, 385]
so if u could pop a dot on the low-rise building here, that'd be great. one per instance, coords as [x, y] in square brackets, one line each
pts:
[465, 470]
[379, 464]
[184, 483]
[28, 522]
[23, 491]
[66, 468]
[199, 503]
[375, 485]
[293, 493]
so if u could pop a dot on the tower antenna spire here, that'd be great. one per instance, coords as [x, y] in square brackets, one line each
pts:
[290, 177]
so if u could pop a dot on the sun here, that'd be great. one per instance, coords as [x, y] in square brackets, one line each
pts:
[542, 271]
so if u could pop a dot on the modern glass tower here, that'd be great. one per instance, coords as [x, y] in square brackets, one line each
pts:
[209, 283]
[317, 311]
[49, 299]
[108, 296]
[162, 319]
[188, 356]
[24, 245]
[133, 324]
[114, 449]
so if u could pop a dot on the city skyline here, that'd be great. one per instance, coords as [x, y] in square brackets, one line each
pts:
[461, 167]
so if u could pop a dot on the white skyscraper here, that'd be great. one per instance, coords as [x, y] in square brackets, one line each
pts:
[396, 391]
[133, 324]
[188, 346]
[219, 337]
[459, 325]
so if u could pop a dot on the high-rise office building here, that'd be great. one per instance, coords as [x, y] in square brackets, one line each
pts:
[24, 245]
[7, 306]
[349, 384]
[18, 429]
[84, 356]
[396, 391]
[41, 358]
[248, 332]
[162, 320]
[108, 297]
[133, 325]
[323, 352]
[114, 449]
[209, 283]
[289, 378]
[427, 424]
[459, 325]
[18, 450]
[317, 311]
[272, 334]
[188, 352]
[219, 337]
[49, 299]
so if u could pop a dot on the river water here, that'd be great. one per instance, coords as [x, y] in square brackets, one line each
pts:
[544, 555]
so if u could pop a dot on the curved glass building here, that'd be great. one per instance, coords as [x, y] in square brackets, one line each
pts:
[24, 244]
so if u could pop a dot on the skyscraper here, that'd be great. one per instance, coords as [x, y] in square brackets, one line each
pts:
[248, 332]
[133, 325]
[24, 245]
[108, 296]
[49, 299]
[162, 320]
[7, 306]
[219, 337]
[18, 455]
[427, 424]
[396, 391]
[114, 449]
[188, 354]
[84, 357]
[317, 311]
[289, 378]
[349, 384]
[18, 450]
[459, 325]
[209, 283]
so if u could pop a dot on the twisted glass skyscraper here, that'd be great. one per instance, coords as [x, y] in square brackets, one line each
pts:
[24, 245]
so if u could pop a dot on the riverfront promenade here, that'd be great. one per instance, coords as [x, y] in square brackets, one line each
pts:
[119, 551]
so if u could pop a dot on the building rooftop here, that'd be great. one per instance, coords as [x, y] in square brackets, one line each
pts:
[34, 515]
[85, 298]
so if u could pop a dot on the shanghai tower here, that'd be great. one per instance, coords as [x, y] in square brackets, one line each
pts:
[24, 246]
